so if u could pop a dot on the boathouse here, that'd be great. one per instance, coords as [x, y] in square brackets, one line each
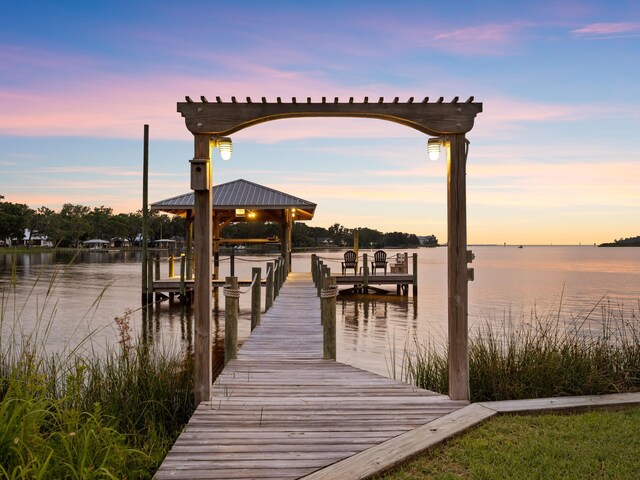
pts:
[242, 201]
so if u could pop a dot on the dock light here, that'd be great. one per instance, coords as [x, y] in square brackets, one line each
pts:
[240, 212]
[225, 146]
[433, 147]
[251, 214]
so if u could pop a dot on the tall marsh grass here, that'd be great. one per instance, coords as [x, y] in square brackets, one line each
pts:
[594, 353]
[81, 415]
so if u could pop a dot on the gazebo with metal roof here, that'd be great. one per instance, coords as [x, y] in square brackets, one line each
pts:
[241, 201]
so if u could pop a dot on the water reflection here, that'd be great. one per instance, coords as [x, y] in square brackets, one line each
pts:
[373, 330]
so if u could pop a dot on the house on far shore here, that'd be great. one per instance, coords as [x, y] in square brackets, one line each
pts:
[96, 244]
[325, 241]
[428, 241]
[29, 239]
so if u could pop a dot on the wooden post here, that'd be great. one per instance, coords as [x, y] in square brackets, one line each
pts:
[216, 246]
[232, 264]
[149, 279]
[328, 317]
[268, 294]
[189, 247]
[365, 271]
[256, 273]
[415, 274]
[157, 267]
[276, 278]
[231, 322]
[182, 270]
[457, 268]
[145, 215]
[172, 266]
[314, 259]
[319, 276]
[201, 184]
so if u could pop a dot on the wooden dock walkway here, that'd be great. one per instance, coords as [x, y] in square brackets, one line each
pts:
[281, 411]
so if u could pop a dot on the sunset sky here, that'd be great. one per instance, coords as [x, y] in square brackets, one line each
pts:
[554, 157]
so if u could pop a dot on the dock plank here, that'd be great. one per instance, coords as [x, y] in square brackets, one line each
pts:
[280, 411]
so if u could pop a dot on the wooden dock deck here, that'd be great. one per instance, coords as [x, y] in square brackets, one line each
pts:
[281, 411]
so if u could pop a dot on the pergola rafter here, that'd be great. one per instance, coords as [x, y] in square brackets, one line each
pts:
[448, 120]
[433, 118]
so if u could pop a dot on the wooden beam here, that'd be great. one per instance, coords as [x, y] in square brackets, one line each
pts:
[435, 118]
[201, 184]
[457, 269]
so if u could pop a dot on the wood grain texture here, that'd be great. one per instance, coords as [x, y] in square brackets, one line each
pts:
[280, 411]
[431, 118]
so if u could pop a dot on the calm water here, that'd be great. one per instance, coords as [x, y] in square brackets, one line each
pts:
[86, 294]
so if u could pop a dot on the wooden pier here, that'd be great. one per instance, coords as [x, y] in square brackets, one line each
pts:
[280, 411]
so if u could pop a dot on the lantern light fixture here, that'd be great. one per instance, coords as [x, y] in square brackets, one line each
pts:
[433, 148]
[225, 146]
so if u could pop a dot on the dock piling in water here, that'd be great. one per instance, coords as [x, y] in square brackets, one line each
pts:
[231, 301]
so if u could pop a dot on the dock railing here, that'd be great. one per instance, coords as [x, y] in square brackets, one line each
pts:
[275, 278]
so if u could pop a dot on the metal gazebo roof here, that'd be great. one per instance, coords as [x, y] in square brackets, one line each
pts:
[240, 194]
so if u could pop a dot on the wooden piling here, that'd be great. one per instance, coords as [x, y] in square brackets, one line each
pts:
[157, 267]
[149, 279]
[268, 294]
[182, 271]
[328, 318]
[276, 279]
[319, 277]
[232, 265]
[145, 216]
[231, 320]
[314, 259]
[256, 289]
[171, 266]
[415, 274]
[365, 271]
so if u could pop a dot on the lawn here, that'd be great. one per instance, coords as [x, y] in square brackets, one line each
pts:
[599, 444]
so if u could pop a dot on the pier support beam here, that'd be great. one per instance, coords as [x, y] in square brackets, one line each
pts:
[457, 268]
[201, 185]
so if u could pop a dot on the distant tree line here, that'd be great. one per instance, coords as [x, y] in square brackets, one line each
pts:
[624, 242]
[304, 235]
[76, 223]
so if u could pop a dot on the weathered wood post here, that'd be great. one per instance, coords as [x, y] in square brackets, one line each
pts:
[284, 272]
[319, 276]
[171, 266]
[189, 247]
[201, 185]
[314, 258]
[232, 264]
[150, 279]
[145, 216]
[328, 317]
[365, 271]
[231, 301]
[458, 274]
[276, 279]
[256, 289]
[268, 294]
[415, 274]
[182, 276]
[157, 267]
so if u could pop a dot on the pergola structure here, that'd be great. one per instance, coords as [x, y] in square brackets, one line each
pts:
[242, 201]
[449, 122]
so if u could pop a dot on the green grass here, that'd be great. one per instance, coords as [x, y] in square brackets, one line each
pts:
[592, 445]
[84, 416]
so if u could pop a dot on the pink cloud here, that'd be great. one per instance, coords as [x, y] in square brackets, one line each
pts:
[608, 30]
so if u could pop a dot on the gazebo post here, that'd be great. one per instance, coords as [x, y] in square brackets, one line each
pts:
[201, 184]
[457, 268]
